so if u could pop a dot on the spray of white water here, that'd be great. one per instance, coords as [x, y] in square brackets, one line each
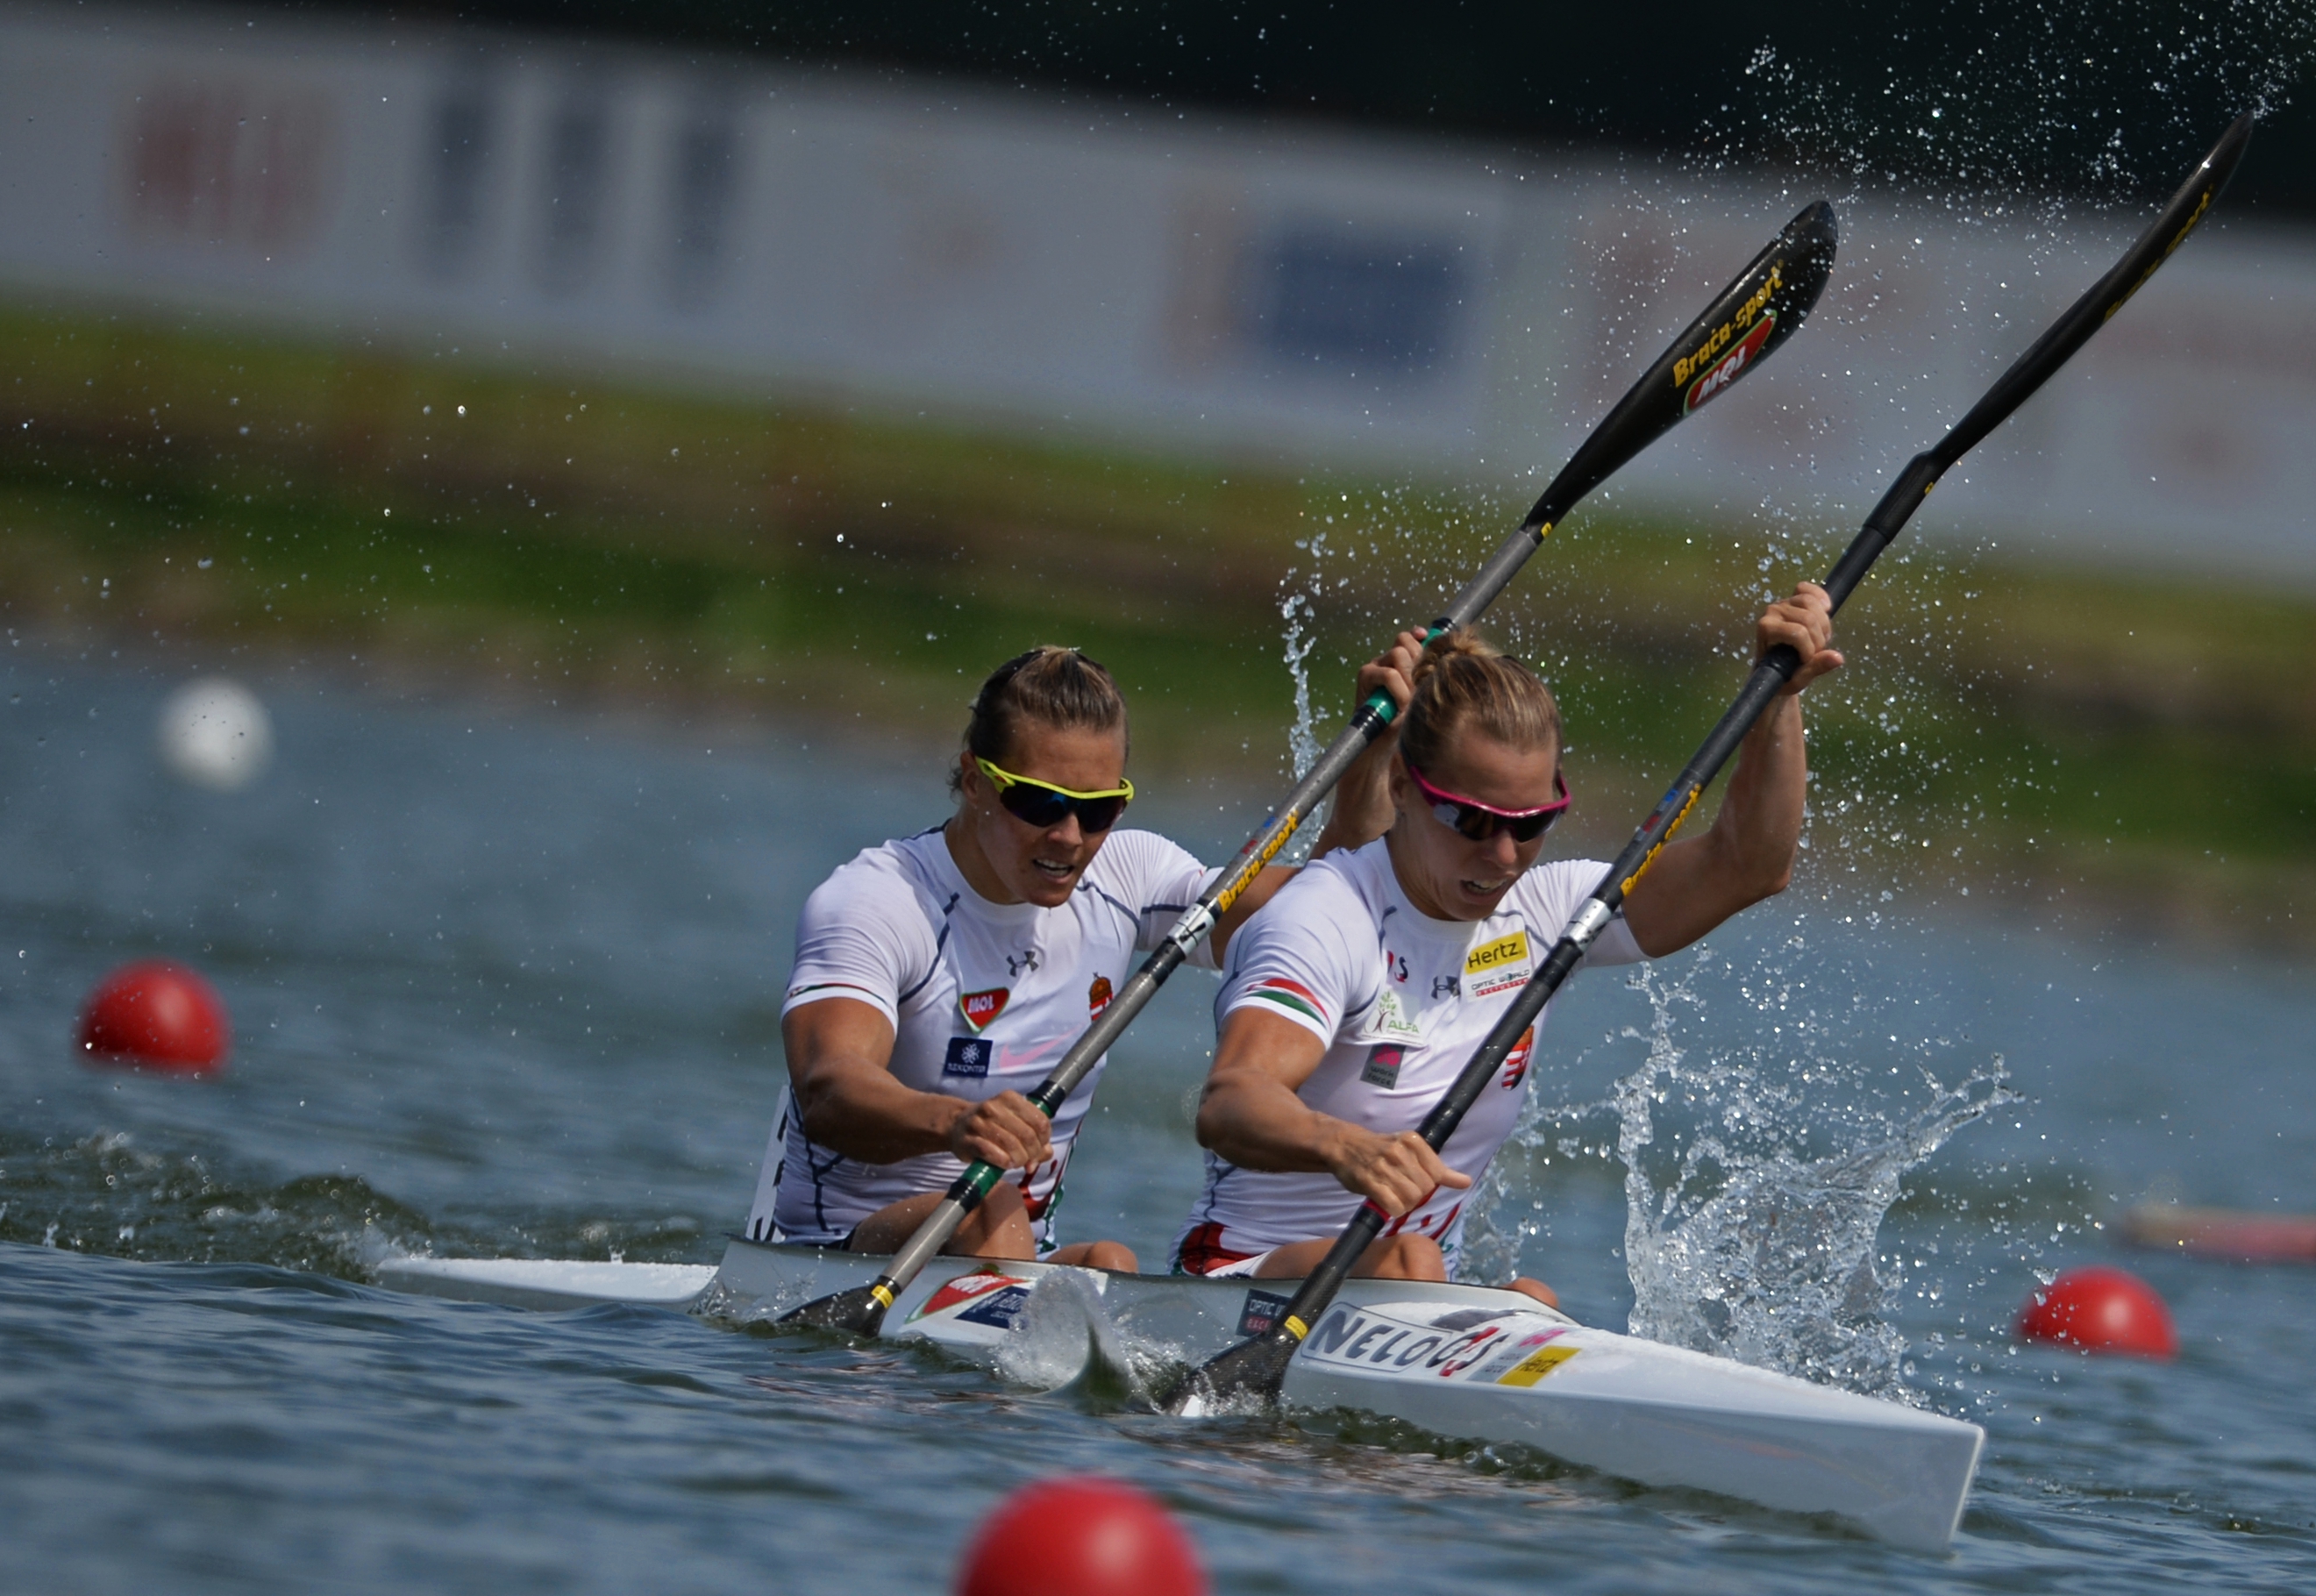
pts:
[1746, 1246]
[1755, 1187]
[1298, 607]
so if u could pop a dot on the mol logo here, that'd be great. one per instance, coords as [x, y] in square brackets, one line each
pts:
[1726, 369]
[979, 1008]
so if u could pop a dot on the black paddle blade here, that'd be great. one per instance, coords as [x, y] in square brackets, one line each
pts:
[1242, 1377]
[858, 1312]
[1762, 308]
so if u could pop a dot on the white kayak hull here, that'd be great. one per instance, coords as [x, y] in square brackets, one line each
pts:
[1459, 1361]
[1645, 1411]
[549, 1283]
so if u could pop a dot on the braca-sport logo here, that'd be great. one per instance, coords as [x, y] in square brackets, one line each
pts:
[1724, 371]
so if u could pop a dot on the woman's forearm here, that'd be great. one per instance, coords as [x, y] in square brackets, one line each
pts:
[1257, 1123]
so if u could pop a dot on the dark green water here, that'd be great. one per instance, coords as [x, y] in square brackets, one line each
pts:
[507, 986]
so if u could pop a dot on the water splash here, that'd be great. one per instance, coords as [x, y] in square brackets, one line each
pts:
[1757, 1173]
[1299, 609]
[2025, 100]
[1744, 1244]
[1302, 736]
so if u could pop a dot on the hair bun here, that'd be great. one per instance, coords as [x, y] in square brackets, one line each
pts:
[1049, 686]
[1465, 683]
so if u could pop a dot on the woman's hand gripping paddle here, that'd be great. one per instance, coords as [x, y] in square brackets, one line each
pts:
[1253, 1370]
[1745, 322]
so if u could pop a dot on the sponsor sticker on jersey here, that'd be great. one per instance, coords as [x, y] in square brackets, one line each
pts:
[1262, 1312]
[1497, 967]
[1098, 997]
[1383, 1060]
[967, 1057]
[979, 1008]
[1389, 1021]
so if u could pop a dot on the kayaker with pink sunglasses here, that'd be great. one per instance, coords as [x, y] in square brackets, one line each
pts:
[1351, 1003]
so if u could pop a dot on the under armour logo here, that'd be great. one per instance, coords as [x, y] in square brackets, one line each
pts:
[1028, 962]
[1446, 986]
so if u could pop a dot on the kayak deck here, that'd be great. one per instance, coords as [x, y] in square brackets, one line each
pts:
[549, 1283]
[1457, 1360]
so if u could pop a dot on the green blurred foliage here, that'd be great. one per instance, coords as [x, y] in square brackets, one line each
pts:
[2047, 734]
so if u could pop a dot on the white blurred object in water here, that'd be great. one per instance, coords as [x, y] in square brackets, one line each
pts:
[214, 733]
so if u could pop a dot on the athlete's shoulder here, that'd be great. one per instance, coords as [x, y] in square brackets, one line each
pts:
[1336, 899]
[1347, 877]
[1553, 889]
[896, 877]
[1130, 853]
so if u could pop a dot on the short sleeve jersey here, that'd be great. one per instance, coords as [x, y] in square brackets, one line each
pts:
[983, 997]
[1402, 1001]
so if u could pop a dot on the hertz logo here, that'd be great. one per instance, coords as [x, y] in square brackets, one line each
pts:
[1496, 955]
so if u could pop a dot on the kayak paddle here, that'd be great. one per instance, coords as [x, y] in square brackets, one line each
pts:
[1254, 1369]
[1745, 322]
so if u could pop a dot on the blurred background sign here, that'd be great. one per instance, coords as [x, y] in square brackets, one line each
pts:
[1276, 297]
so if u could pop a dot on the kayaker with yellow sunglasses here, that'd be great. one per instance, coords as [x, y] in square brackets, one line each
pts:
[938, 977]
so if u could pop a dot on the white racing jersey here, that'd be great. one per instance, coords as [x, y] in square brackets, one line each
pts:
[983, 997]
[1402, 1001]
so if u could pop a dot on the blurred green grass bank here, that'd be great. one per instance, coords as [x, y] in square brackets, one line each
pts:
[2137, 749]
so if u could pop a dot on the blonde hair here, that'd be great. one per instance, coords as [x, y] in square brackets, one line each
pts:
[1049, 684]
[1463, 685]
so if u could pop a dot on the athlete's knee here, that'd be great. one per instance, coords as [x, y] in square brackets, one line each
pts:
[998, 1228]
[1406, 1258]
[1111, 1255]
[1538, 1289]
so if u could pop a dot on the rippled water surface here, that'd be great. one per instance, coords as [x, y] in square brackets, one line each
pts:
[507, 984]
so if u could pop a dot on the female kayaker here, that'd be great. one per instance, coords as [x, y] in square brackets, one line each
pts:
[939, 976]
[1349, 1007]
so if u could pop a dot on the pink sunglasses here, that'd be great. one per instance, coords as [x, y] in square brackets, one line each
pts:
[1468, 817]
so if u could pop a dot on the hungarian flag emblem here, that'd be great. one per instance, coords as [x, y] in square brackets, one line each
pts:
[980, 1008]
[1097, 997]
[1516, 1061]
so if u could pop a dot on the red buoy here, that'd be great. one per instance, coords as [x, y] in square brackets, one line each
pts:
[2100, 1310]
[1081, 1537]
[157, 1015]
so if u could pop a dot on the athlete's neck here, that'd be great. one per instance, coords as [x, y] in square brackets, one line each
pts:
[965, 851]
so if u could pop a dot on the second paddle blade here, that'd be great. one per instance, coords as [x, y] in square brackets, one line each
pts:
[1248, 1375]
[856, 1311]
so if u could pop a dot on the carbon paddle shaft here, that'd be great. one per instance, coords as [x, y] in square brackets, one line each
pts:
[1745, 322]
[1259, 1364]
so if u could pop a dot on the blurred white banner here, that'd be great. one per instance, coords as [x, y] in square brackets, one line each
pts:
[1170, 283]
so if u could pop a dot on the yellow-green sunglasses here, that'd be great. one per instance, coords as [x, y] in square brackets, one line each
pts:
[1042, 803]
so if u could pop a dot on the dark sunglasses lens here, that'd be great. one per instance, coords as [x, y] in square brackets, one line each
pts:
[1528, 827]
[1473, 825]
[1043, 807]
[1479, 824]
[1034, 806]
[1095, 814]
